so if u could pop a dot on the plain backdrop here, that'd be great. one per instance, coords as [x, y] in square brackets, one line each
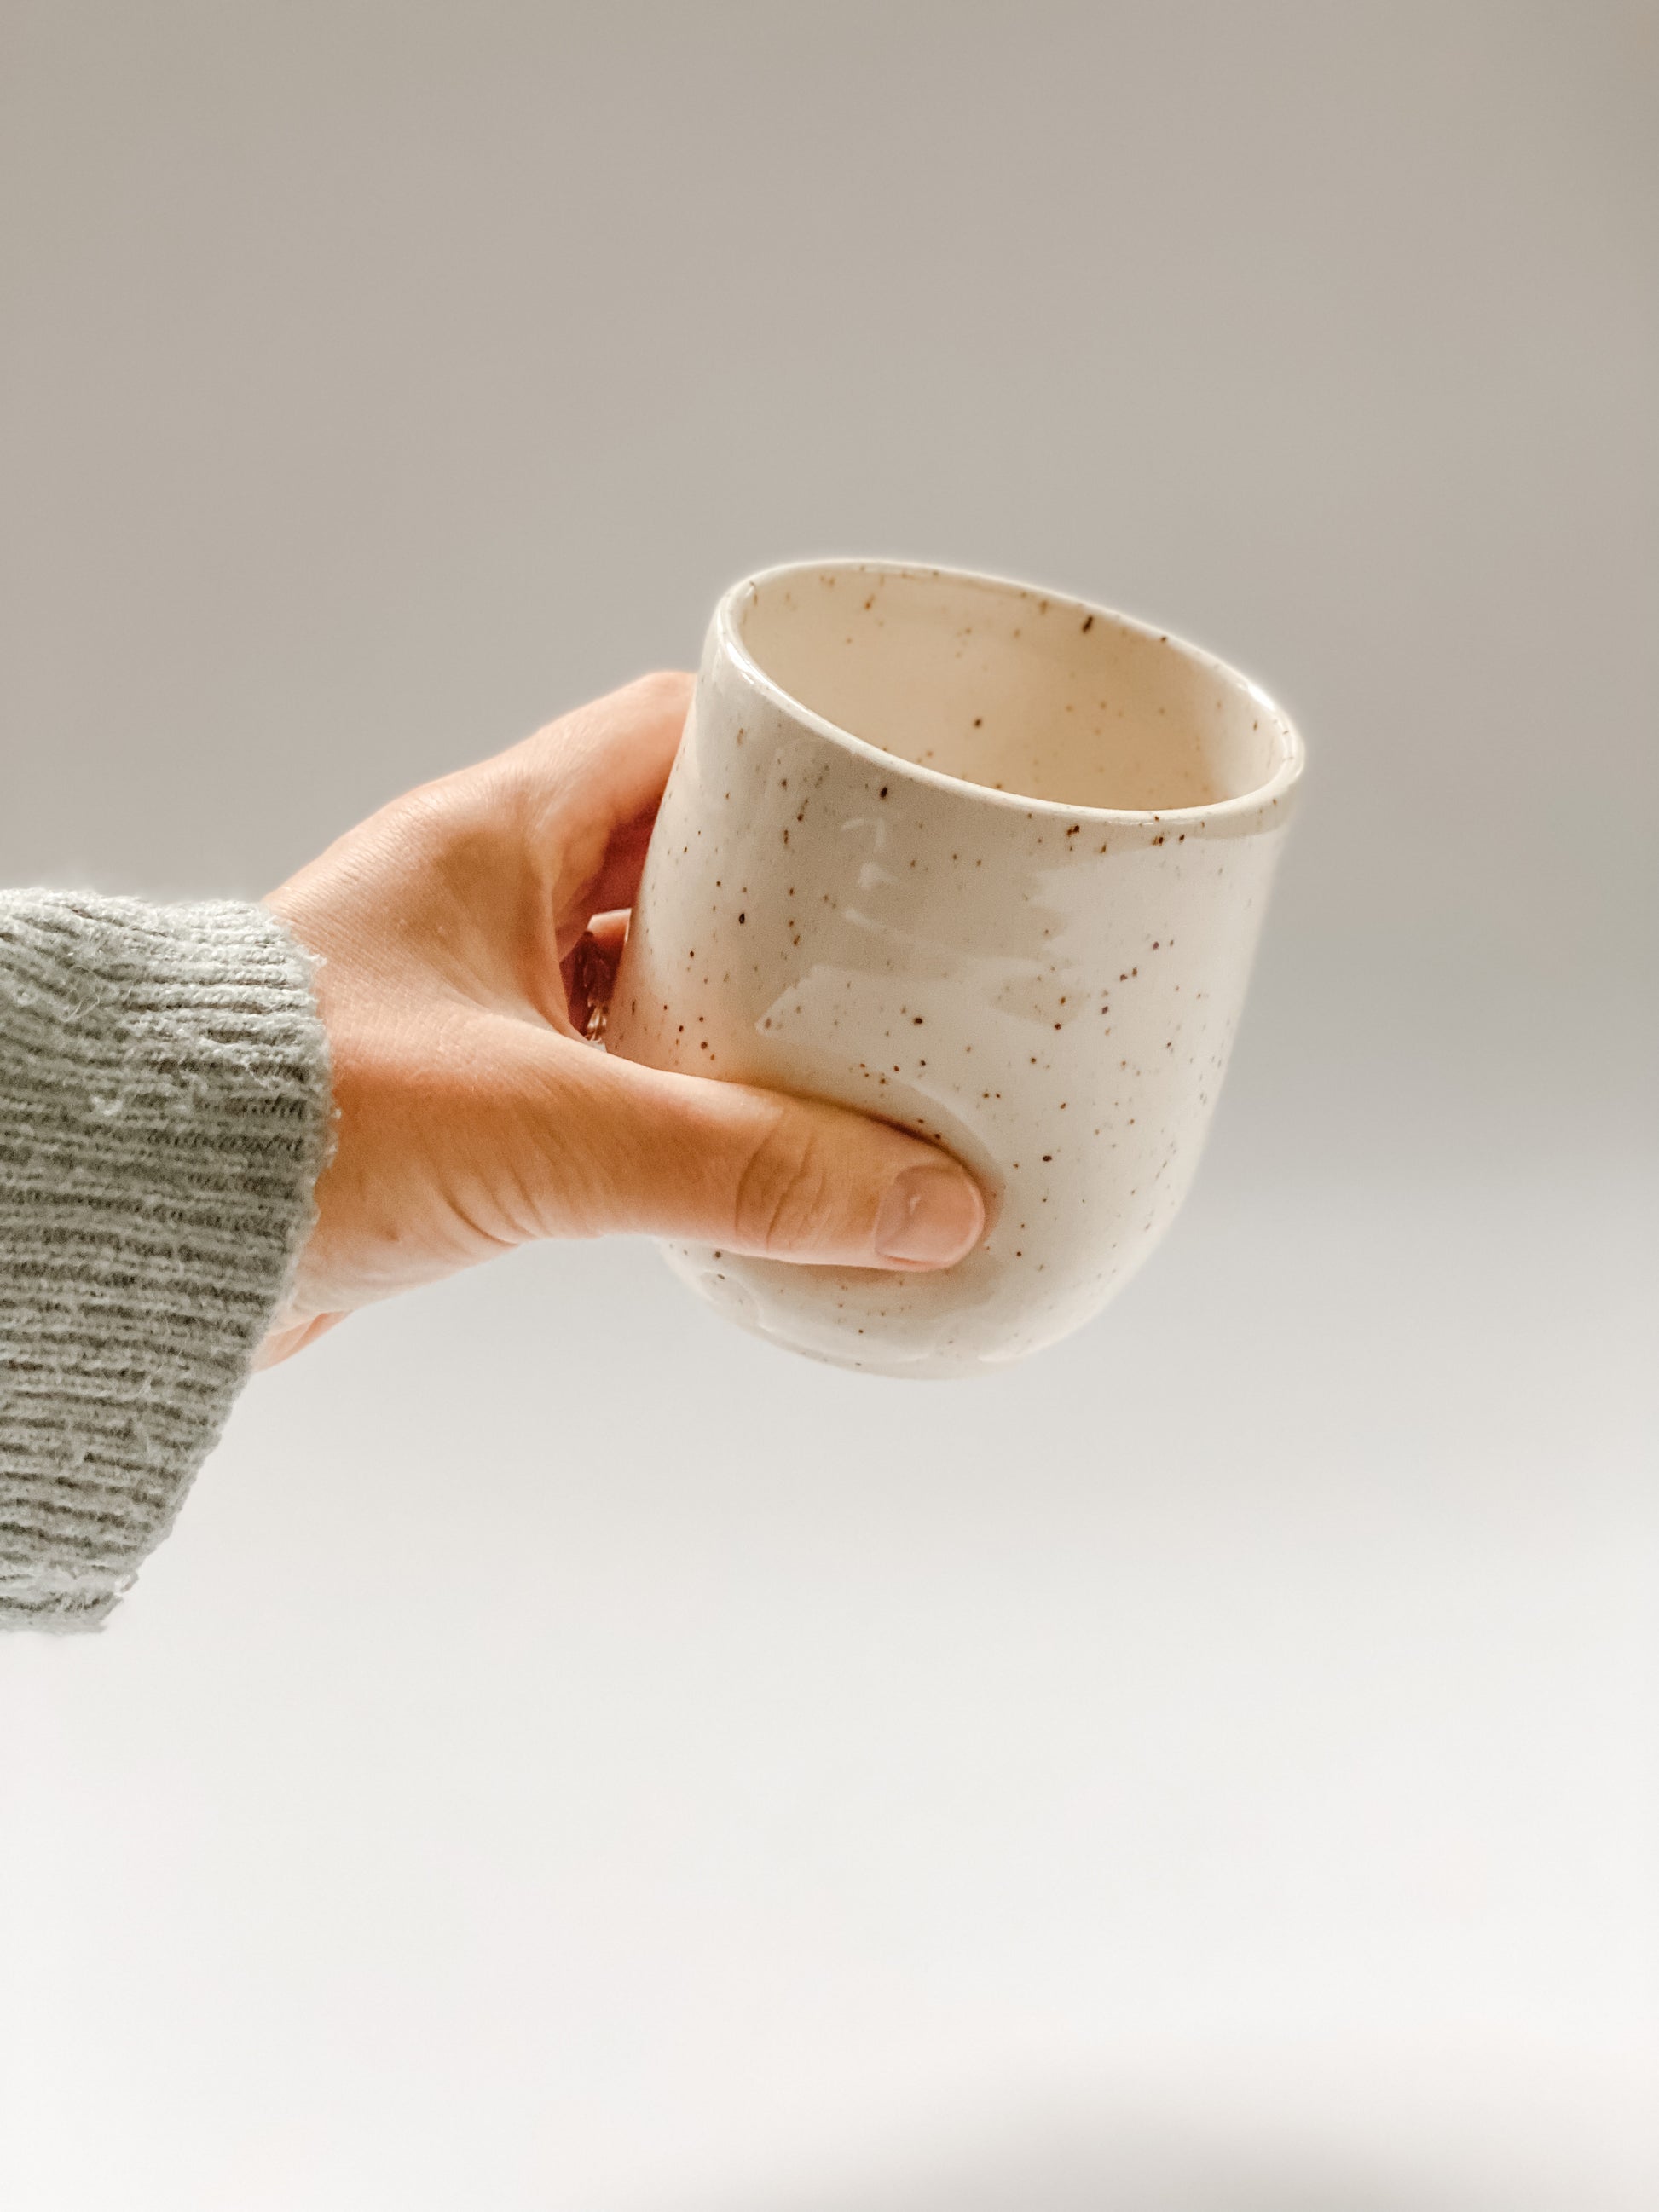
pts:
[570, 1756]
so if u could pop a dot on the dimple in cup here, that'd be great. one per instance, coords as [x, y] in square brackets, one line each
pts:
[987, 862]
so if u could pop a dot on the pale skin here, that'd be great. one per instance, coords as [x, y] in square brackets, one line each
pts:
[472, 1116]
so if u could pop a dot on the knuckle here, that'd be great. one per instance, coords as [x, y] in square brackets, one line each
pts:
[451, 825]
[665, 691]
[785, 1195]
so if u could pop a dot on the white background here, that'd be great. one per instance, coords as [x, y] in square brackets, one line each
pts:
[570, 1756]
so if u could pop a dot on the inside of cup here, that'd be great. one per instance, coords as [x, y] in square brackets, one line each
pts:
[1001, 686]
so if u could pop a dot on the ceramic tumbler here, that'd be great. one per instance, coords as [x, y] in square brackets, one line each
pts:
[988, 863]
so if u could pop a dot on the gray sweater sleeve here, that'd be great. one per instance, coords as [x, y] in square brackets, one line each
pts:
[163, 1117]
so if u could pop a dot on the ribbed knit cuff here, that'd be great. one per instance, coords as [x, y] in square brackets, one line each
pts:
[163, 1119]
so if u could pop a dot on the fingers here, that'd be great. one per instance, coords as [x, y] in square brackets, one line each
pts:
[591, 782]
[590, 972]
[785, 1178]
[621, 746]
[751, 1171]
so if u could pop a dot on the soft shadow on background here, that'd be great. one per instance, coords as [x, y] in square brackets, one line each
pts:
[572, 1757]
[1170, 2160]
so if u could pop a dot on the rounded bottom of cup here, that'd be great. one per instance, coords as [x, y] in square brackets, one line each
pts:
[946, 1328]
[914, 1371]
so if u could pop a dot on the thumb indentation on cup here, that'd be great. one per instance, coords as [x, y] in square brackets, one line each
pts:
[930, 1217]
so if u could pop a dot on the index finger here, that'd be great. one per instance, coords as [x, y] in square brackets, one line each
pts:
[593, 780]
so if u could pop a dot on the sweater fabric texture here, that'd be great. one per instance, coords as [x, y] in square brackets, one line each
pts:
[164, 1115]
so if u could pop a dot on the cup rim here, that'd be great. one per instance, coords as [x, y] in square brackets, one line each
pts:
[1263, 795]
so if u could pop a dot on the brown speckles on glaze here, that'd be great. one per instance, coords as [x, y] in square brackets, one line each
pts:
[910, 906]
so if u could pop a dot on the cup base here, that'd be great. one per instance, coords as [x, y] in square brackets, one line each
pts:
[719, 1280]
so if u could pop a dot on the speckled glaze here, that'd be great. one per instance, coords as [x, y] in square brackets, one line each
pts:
[985, 862]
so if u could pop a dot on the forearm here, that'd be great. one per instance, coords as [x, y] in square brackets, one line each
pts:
[163, 1117]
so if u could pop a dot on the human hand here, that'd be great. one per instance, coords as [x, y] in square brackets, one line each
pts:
[473, 1116]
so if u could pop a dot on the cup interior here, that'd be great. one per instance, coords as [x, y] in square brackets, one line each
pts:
[1017, 690]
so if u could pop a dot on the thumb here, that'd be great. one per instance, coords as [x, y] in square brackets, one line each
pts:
[759, 1172]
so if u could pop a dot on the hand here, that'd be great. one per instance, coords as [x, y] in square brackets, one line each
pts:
[472, 1116]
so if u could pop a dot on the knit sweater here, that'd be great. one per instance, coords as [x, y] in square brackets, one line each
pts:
[163, 1118]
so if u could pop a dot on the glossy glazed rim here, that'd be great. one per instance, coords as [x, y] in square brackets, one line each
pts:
[1263, 796]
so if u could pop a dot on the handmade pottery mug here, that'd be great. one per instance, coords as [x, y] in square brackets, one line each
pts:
[990, 864]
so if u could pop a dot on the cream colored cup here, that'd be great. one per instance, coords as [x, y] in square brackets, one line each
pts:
[988, 863]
